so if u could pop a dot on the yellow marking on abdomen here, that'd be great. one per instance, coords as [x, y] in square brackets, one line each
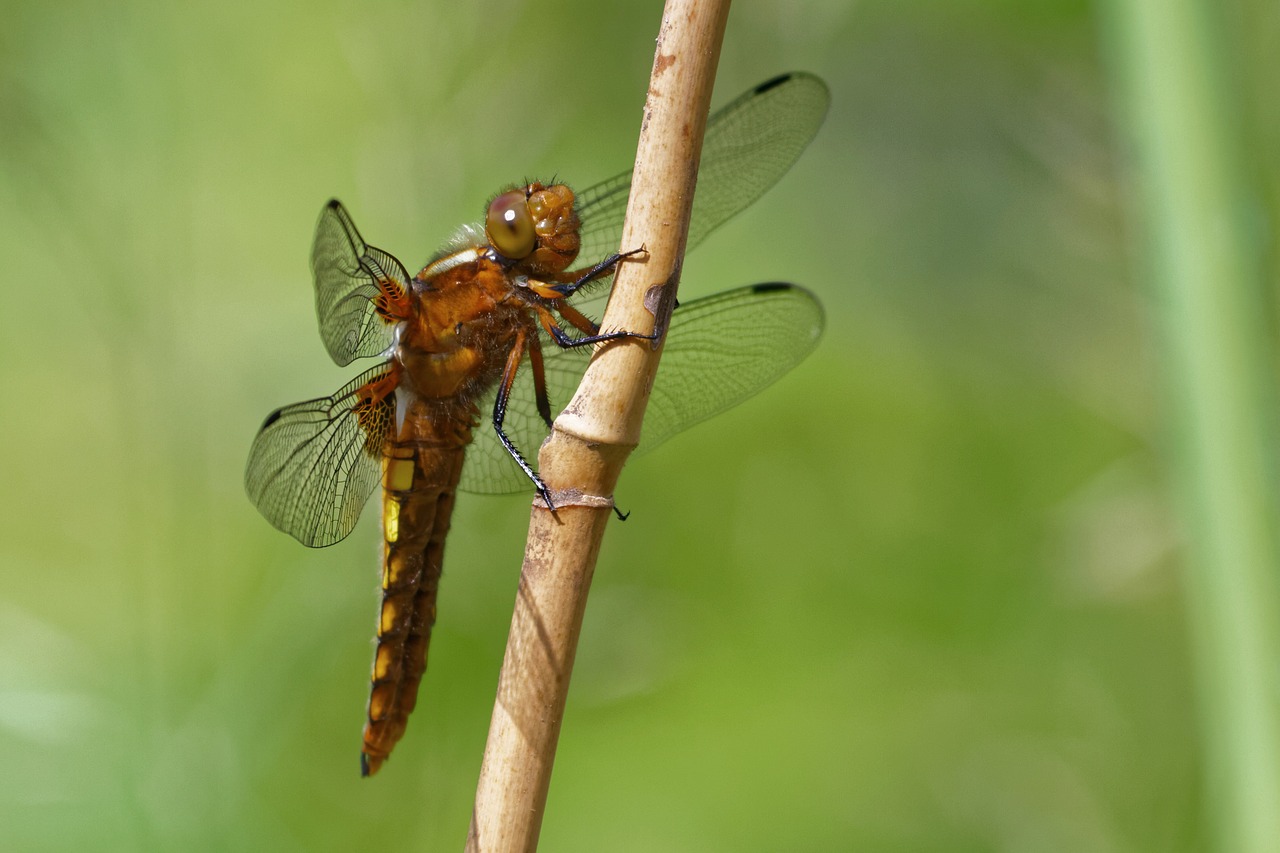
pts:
[391, 520]
[381, 700]
[396, 566]
[398, 476]
[383, 660]
[390, 616]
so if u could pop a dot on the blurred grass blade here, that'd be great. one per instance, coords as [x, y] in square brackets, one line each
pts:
[1209, 312]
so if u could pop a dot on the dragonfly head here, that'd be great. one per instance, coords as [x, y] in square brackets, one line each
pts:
[535, 226]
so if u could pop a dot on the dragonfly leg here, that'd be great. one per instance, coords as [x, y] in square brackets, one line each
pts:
[579, 320]
[598, 271]
[562, 339]
[539, 380]
[500, 412]
[565, 342]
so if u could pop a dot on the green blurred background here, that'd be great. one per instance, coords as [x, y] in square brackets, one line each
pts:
[920, 595]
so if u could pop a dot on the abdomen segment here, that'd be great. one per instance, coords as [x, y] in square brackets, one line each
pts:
[419, 485]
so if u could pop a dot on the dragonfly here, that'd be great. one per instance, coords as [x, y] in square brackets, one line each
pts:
[450, 342]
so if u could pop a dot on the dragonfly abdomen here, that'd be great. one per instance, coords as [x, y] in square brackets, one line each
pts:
[420, 481]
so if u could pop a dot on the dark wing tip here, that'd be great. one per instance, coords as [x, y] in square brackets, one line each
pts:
[803, 293]
[802, 79]
[773, 84]
[333, 204]
[771, 287]
[271, 418]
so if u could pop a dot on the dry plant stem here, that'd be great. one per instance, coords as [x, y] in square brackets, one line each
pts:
[593, 436]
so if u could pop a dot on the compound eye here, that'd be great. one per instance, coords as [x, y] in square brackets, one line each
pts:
[509, 225]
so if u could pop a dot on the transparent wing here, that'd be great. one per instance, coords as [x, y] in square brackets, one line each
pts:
[357, 288]
[314, 464]
[489, 469]
[726, 349]
[720, 351]
[748, 146]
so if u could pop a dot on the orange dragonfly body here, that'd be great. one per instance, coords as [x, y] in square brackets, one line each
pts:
[452, 339]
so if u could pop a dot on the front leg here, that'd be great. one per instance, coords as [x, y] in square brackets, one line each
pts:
[574, 281]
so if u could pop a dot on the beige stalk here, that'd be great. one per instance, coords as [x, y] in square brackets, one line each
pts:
[592, 438]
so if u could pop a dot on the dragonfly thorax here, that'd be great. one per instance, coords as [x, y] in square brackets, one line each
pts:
[457, 339]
